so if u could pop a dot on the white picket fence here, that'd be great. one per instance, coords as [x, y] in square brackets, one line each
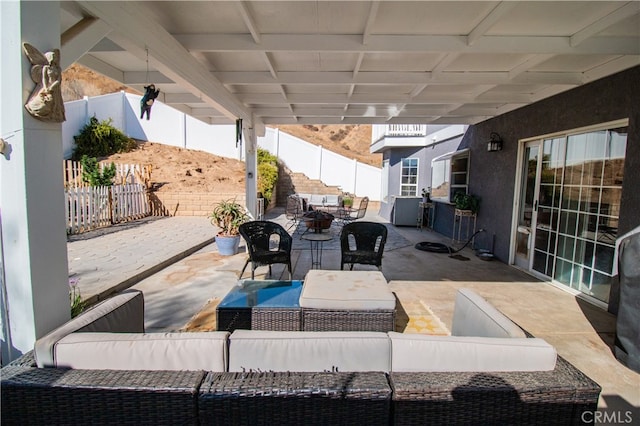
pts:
[91, 207]
[125, 173]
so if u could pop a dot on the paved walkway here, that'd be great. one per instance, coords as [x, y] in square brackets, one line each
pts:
[108, 260]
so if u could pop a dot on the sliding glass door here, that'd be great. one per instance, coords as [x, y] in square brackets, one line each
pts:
[569, 205]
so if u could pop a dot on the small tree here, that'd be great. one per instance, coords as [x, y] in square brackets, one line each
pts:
[92, 173]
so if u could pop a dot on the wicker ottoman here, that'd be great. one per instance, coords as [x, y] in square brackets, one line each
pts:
[347, 301]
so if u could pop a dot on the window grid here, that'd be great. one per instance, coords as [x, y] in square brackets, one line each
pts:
[575, 245]
[409, 177]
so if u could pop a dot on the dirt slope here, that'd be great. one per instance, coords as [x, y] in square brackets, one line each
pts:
[176, 169]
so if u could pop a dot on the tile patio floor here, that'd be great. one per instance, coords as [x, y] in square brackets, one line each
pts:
[581, 332]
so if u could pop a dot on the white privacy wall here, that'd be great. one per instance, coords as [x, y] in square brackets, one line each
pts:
[172, 127]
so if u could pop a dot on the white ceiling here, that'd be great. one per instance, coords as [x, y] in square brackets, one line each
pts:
[363, 62]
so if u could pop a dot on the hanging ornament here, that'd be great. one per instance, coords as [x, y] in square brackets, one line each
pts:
[238, 132]
[150, 94]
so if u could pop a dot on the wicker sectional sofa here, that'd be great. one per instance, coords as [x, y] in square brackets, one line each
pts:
[83, 373]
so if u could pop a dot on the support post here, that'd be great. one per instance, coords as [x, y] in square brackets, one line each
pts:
[251, 170]
[34, 249]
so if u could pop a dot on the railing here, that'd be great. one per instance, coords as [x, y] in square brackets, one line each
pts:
[380, 131]
[91, 207]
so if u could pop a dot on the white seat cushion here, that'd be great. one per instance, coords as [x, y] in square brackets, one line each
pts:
[122, 313]
[332, 200]
[137, 351]
[474, 316]
[353, 290]
[257, 350]
[416, 352]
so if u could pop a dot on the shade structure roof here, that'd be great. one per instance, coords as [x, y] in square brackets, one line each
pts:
[352, 62]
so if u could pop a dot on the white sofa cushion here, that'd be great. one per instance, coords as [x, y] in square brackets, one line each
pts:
[332, 200]
[122, 313]
[417, 352]
[474, 316]
[137, 351]
[256, 350]
[353, 290]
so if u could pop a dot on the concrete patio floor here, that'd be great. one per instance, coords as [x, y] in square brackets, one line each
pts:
[582, 333]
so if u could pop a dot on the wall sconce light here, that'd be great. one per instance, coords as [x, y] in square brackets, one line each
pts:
[495, 142]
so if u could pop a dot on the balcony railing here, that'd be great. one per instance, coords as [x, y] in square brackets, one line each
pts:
[378, 132]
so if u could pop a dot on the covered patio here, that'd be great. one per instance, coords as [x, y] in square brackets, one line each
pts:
[498, 66]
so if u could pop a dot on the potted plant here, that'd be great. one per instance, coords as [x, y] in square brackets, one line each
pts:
[347, 200]
[426, 195]
[467, 202]
[228, 216]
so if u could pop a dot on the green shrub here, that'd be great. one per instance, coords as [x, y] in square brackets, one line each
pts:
[267, 174]
[100, 139]
[92, 174]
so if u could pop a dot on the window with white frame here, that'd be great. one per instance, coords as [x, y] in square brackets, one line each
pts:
[409, 177]
[449, 175]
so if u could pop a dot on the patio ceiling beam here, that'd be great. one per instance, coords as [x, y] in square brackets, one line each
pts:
[137, 32]
[106, 45]
[382, 99]
[205, 112]
[102, 67]
[489, 20]
[375, 120]
[395, 77]
[406, 43]
[624, 12]
[371, 18]
[141, 77]
[611, 67]
[80, 38]
[181, 98]
[354, 111]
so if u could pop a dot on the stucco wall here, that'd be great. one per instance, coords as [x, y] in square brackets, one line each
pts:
[424, 155]
[492, 174]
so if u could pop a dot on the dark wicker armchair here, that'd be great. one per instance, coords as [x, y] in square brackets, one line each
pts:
[268, 243]
[362, 242]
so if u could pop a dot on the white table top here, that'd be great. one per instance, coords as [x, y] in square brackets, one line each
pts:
[317, 236]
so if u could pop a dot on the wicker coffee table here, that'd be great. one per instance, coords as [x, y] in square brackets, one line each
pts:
[261, 305]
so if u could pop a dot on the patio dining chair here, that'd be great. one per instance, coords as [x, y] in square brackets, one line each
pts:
[346, 216]
[268, 243]
[293, 211]
[363, 243]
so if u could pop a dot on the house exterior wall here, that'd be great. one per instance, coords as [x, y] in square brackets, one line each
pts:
[492, 174]
[424, 156]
